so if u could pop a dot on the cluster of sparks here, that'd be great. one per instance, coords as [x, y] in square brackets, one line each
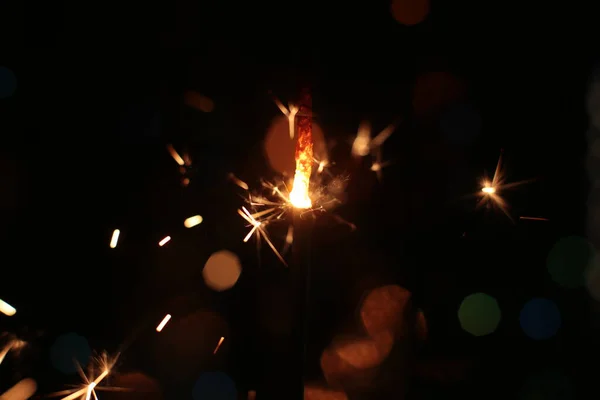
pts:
[313, 189]
[100, 368]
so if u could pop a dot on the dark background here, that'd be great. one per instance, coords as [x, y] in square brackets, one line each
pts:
[101, 94]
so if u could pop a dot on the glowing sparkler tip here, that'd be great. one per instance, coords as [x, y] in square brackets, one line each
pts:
[488, 190]
[299, 198]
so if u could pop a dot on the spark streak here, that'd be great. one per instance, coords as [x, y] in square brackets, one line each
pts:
[7, 309]
[162, 324]
[534, 219]
[193, 221]
[115, 238]
[164, 241]
[175, 155]
[219, 345]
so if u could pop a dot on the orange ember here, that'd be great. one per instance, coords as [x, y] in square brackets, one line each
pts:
[299, 196]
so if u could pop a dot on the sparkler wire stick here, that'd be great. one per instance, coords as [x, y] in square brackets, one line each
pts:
[299, 268]
[301, 246]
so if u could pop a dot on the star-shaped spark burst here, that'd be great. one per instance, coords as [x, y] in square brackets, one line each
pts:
[490, 194]
[378, 164]
[98, 370]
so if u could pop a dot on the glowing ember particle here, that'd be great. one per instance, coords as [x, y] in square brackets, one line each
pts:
[219, 345]
[175, 155]
[164, 241]
[7, 309]
[534, 218]
[238, 182]
[115, 238]
[163, 323]
[299, 196]
[193, 221]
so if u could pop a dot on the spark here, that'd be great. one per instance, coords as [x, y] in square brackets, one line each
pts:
[219, 345]
[238, 182]
[260, 231]
[175, 155]
[378, 164]
[13, 345]
[164, 241]
[534, 219]
[187, 160]
[322, 166]
[363, 144]
[193, 221]
[290, 112]
[491, 190]
[7, 309]
[115, 238]
[91, 385]
[164, 321]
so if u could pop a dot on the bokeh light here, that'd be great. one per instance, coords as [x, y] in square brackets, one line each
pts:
[281, 150]
[8, 82]
[594, 149]
[339, 373]
[460, 124]
[421, 325]
[198, 101]
[434, 91]
[592, 278]
[315, 392]
[410, 12]
[69, 349]
[479, 314]
[540, 319]
[593, 99]
[568, 261]
[550, 384]
[222, 270]
[364, 353]
[214, 386]
[136, 386]
[383, 309]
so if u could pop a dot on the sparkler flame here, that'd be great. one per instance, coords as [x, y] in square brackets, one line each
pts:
[299, 196]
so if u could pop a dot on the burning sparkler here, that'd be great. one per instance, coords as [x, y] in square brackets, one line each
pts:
[312, 190]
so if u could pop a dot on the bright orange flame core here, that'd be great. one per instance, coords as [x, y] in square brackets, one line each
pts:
[299, 196]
